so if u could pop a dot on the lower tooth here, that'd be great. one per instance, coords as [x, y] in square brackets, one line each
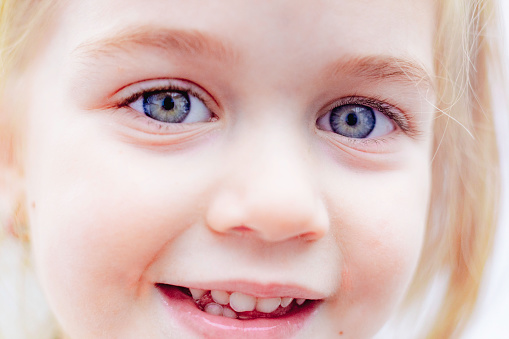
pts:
[229, 313]
[213, 308]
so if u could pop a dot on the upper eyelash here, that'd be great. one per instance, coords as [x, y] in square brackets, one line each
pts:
[167, 87]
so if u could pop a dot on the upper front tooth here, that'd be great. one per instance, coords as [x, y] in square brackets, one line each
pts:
[267, 305]
[286, 301]
[220, 297]
[300, 301]
[241, 302]
[197, 293]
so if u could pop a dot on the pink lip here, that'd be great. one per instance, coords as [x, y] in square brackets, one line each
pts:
[183, 308]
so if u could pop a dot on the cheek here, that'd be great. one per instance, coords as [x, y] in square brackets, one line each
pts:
[96, 228]
[380, 232]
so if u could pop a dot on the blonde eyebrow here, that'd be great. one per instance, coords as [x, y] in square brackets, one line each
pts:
[173, 41]
[381, 67]
[187, 43]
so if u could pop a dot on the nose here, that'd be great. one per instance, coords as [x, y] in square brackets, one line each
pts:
[273, 193]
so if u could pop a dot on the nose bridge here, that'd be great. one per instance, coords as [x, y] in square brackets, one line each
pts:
[279, 171]
[270, 190]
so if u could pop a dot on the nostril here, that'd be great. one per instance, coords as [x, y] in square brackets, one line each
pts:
[241, 230]
[309, 236]
[245, 231]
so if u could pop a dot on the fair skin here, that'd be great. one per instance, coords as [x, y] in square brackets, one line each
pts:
[257, 193]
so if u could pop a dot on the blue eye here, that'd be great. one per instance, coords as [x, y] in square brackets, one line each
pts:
[356, 121]
[352, 121]
[168, 106]
[171, 106]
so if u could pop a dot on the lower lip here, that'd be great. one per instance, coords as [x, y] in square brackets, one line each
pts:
[183, 308]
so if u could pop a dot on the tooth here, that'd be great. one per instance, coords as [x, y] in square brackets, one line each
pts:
[197, 293]
[286, 301]
[267, 305]
[221, 297]
[300, 301]
[213, 308]
[241, 302]
[229, 313]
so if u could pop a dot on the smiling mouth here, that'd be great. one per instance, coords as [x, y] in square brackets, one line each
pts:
[238, 305]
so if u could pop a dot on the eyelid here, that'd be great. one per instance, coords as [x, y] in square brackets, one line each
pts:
[130, 93]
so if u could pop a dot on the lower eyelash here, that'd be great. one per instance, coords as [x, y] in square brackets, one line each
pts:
[376, 141]
[142, 122]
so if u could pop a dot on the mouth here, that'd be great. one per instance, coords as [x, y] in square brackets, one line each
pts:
[227, 313]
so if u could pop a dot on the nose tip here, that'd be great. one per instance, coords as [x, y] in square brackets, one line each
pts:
[272, 218]
[268, 186]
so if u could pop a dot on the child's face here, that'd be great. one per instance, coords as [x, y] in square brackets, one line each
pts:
[278, 149]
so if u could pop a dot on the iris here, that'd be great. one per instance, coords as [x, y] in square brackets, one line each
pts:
[167, 106]
[353, 121]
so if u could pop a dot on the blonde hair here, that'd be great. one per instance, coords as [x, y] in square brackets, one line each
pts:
[465, 165]
[464, 197]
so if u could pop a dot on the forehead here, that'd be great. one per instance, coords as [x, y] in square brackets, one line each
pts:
[307, 29]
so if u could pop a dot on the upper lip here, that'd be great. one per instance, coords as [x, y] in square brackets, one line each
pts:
[259, 290]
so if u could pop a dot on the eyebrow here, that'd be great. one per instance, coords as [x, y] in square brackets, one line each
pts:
[174, 41]
[196, 43]
[385, 68]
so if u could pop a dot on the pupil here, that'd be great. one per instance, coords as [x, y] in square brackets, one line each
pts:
[168, 103]
[351, 119]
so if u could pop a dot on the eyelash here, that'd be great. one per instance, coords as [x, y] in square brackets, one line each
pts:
[381, 104]
[377, 103]
[170, 87]
[126, 101]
